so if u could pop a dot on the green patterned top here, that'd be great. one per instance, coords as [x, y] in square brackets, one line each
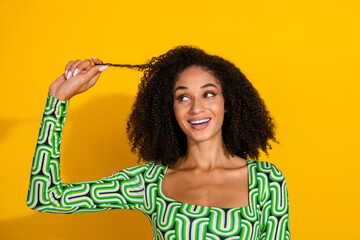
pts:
[139, 188]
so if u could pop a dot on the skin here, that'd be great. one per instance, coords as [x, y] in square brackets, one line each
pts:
[207, 175]
[64, 88]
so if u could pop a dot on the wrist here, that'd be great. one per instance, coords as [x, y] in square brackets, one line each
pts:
[58, 95]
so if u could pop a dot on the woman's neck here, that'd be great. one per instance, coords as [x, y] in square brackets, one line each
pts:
[205, 155]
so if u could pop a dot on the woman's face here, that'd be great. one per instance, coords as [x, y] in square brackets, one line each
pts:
[198, 104]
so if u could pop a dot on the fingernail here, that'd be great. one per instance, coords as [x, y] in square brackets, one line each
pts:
[103, 68]
[75, 72]
[68, 75]
[94, 57]
[66, 71]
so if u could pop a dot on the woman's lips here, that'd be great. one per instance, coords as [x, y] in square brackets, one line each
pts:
[199, 123]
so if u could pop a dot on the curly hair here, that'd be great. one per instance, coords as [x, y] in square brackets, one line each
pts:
[152, 129]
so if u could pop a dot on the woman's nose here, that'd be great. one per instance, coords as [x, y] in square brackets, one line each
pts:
[197, 106]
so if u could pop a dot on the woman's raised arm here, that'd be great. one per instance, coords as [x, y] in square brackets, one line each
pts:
[123, 190]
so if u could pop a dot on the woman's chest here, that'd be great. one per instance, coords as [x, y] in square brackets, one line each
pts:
[216, 190]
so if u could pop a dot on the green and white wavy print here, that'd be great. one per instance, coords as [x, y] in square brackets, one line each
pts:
[139, 188]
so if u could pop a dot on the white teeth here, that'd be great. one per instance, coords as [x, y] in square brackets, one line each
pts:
[200, 121]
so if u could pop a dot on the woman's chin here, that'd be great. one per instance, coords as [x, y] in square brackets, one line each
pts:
[200, 138]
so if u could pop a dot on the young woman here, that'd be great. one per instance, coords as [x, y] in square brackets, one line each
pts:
[197, 121]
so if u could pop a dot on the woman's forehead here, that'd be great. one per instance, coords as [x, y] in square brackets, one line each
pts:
[196, 76]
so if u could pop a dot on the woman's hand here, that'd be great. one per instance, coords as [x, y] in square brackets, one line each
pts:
[79, 76]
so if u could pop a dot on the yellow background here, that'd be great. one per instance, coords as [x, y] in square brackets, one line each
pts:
[302, 56]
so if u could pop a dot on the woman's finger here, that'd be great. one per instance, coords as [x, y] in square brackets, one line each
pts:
[67, 67]
[84, 65]
[96, 60]
[72, 68]
[95, 71]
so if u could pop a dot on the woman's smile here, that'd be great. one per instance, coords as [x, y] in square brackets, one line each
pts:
[200, 124]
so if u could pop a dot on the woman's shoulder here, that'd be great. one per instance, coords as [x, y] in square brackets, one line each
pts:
[266, 168]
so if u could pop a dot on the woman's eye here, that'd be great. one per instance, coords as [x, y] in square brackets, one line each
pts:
[209, 94]
[182, 98]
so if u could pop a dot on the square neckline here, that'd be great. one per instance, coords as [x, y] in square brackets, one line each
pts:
[195, 205]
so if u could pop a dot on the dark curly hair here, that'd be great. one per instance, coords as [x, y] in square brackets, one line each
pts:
[152, 129]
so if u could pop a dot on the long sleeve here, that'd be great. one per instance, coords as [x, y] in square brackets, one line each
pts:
[122, 190]
[274, 203]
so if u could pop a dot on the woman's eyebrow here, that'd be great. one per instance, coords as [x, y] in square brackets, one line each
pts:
[208, 85]
[203, 86]
[180, 88]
